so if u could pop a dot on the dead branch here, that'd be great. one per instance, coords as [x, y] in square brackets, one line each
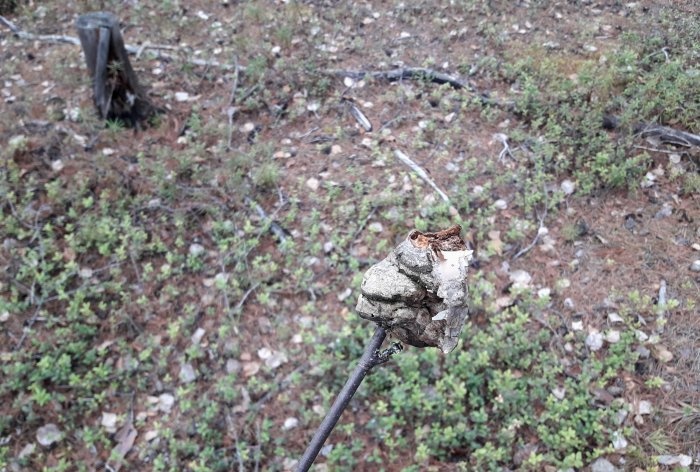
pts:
[421, 173]
[540, 232]
[668, 135]
[131, 49]
[395, 75]
[663, 134]
[360, 117]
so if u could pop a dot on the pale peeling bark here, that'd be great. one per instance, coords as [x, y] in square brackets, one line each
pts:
[419, 292]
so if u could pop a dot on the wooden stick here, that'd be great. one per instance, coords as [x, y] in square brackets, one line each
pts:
[421, 173]
[394, 75]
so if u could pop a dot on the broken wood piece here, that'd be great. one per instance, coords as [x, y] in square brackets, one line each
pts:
[419, 292]
[663, 134]
[395, 75]
[131, 49]
[116, 90]
[358, 115]
[421, 173]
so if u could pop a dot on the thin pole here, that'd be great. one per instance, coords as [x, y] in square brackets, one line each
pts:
[369, 359]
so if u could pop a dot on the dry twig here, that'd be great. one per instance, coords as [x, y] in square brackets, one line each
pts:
[131, 49]
[421, 173]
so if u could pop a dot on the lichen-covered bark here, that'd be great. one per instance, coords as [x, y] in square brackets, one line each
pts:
[419, 292]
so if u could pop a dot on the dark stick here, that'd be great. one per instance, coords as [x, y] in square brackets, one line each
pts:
[370, 358]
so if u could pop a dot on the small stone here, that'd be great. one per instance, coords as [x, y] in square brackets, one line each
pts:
[313, 184]
[681, 460]
[196, 249]
[247, 128]
[568, 187]
[612, 336]
[619, 441]
[544, 292]
[674, 158]
[232, 366]
[264, 353]
[641, 335]
[603, 465]
[187, 373]
[165, 402]
[644, 407]
[182, 96]
[251, 368]
[290, 423]
[48, 434]
[695, 266]
[335, 149]
[520, 278]
[662, 354]
[344, 294]
[57, 165]
[577, 325]
[108, 151]
[109, 422]
[150, 435]
[328, 247]
[500, 204]
[559, 393]
[198, 335]
[649, 180]
[376, 227]
[4, 316]
[85, 273]
[594, 340]
[277, 359]
[26, 451]
[569, 303]
[450, 117]
[615, 318]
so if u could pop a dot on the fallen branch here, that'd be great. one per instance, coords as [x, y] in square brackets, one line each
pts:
[421, 173]
[664, 134]
[661, 304]
[131, 49]
[274, 226]
[360, 117]
[668, 135]
[540, 233]
[421, 73]
[395, 75]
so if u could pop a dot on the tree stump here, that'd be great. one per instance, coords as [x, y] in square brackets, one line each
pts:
[116, 90]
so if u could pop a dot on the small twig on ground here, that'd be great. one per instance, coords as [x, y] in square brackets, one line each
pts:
[421, 173]
[661, 304]
[231, 109]
[358, 115]
[234, 87]
[506, 151]
[232, 427]
[274, 226]
[245, 296]
[540, 218]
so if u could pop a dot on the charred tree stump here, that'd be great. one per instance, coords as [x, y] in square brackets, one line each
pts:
[116, 90]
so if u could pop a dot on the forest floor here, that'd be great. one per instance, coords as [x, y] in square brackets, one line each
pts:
[181, 296]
